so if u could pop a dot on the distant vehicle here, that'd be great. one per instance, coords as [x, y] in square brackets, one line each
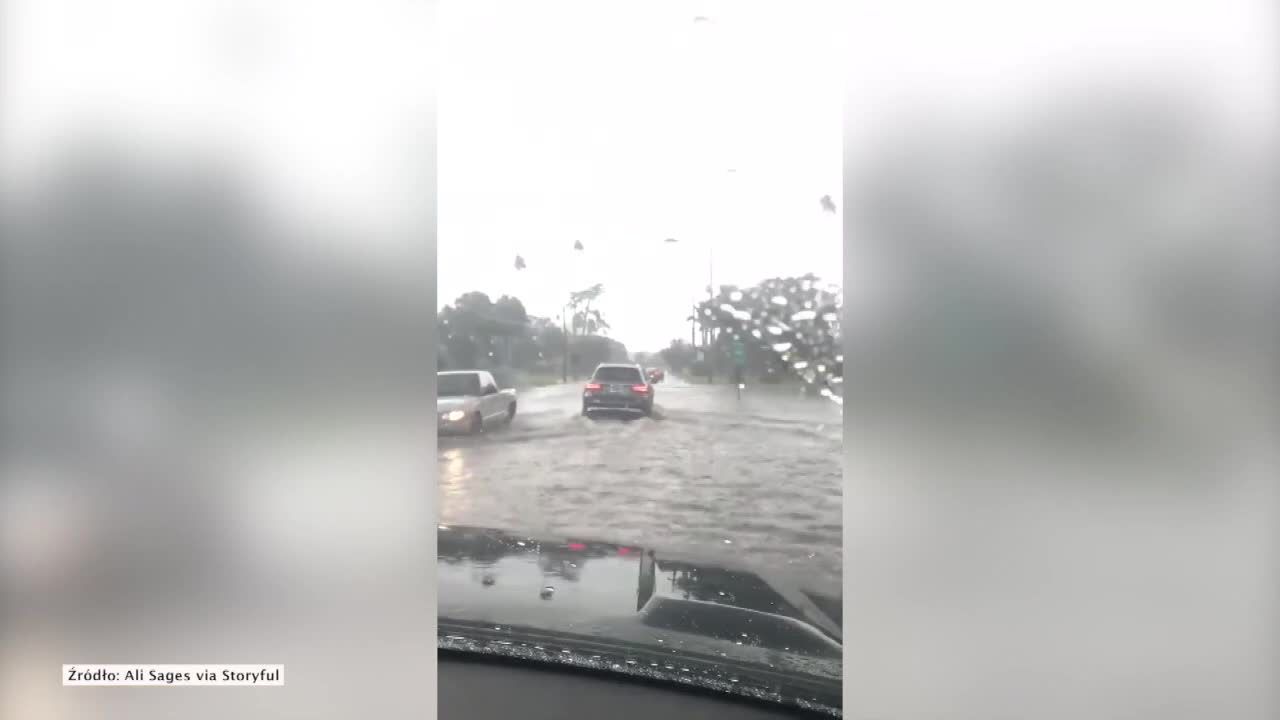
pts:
[657, 375]
[468, 400]
[618, 387]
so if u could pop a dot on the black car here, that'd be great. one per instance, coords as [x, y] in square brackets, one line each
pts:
[618, 388]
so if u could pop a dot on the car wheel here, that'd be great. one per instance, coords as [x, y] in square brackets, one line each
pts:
[477, 424]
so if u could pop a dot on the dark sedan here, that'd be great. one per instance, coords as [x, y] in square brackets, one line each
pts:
[618, 388]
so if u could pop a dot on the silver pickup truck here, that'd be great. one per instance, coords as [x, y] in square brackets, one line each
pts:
[469, 400]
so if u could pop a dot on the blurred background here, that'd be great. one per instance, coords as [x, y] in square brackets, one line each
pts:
[216, 286]
[1061, 356]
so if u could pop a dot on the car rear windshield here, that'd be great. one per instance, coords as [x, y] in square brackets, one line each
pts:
[618, 374]
[457, 385]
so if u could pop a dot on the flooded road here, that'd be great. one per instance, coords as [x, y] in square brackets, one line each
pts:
[756, 480]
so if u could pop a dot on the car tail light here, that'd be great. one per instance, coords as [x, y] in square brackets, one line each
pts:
[576, 546]
[593, 386]
[641, 389]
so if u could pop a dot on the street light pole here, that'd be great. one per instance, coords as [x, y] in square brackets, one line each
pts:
[564, 333]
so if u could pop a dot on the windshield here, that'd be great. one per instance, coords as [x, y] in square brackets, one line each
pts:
[457, 385]
[618, 374]
[691, 518]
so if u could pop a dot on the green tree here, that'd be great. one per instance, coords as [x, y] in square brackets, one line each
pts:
[586, 319]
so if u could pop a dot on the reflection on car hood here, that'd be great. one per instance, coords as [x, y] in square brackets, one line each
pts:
[635, 598]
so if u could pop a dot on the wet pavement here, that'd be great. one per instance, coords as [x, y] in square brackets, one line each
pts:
[755, 479]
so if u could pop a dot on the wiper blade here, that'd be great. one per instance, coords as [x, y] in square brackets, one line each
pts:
[592, 653]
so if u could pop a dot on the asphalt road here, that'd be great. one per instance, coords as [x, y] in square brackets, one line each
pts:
[756, 479]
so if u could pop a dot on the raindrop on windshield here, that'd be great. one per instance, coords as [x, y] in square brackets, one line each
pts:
[782, 346]
[803, 315]
[736, 296]
[779, 300]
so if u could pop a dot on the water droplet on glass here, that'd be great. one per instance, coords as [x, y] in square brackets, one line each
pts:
[774, 330]
[779, 300]
[520, 543]
[736, 296]
[726, 307]
[733, 679]
[782, 346]
[547, 592]
[728, 542]
[631, 662]
[803, 315]
[801, 364]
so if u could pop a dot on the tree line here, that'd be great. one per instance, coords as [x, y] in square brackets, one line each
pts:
[476, 331]
[788, 329]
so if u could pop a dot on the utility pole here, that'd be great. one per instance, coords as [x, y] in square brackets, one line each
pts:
[564, 333]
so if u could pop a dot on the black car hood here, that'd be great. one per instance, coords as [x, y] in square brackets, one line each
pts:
[639, 601]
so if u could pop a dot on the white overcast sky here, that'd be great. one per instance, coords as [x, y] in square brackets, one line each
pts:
[607, 122]
[616, 124]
